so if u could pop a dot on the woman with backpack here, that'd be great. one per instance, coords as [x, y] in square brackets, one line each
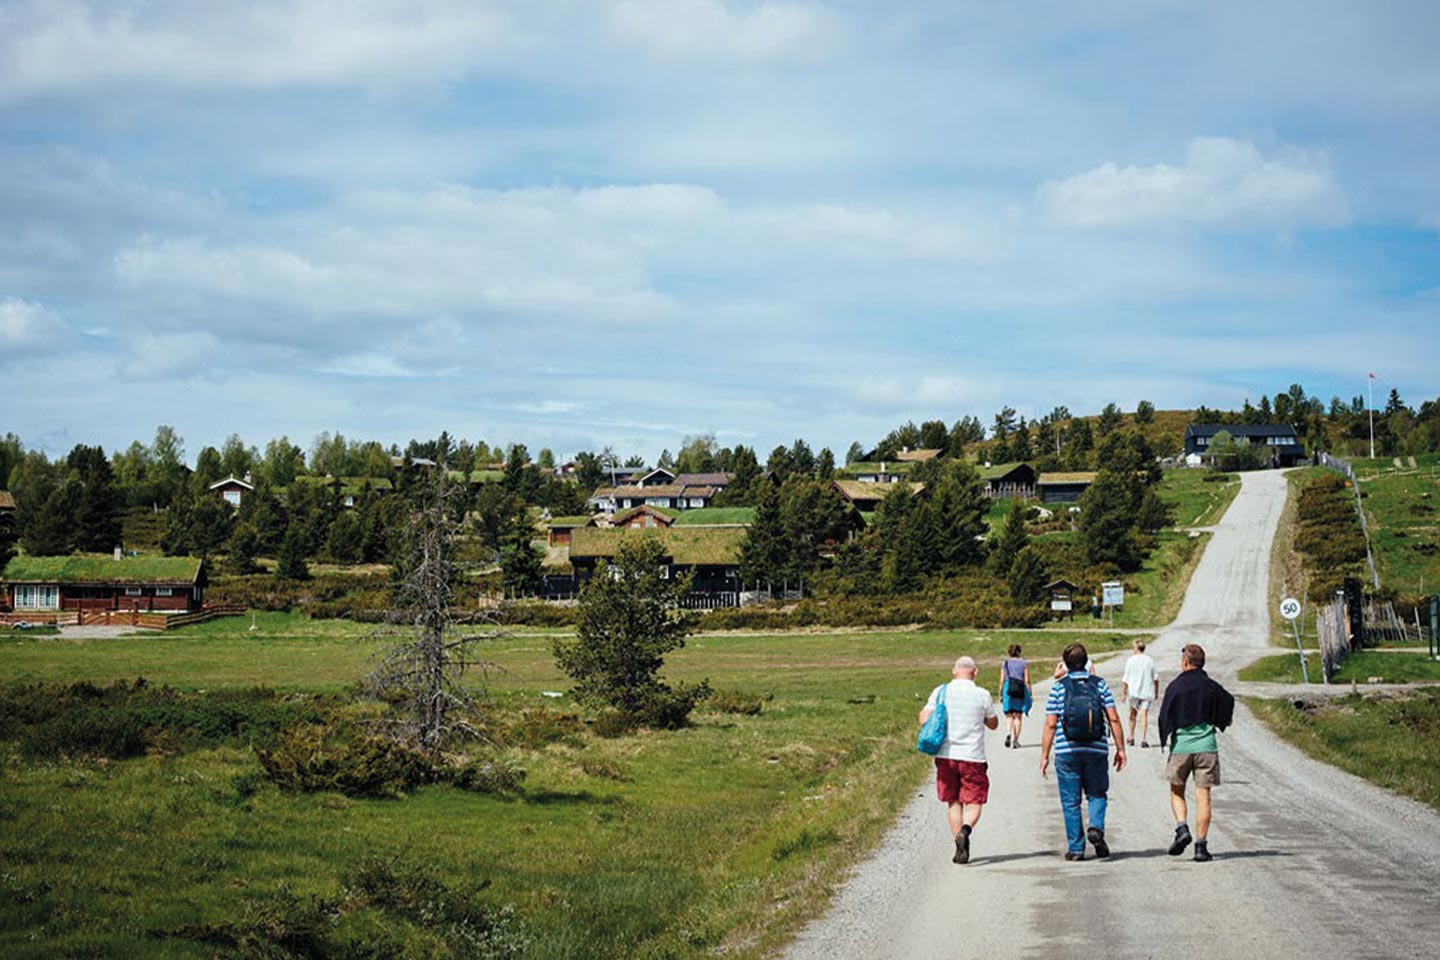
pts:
[1015, 694]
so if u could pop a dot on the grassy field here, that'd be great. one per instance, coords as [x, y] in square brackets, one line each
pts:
[1402, 508]
[1197, 503]
[719, 838]
[1359, 666]
[1389, 741]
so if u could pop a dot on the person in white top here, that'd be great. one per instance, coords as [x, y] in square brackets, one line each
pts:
[961, 777]
[1140, 688]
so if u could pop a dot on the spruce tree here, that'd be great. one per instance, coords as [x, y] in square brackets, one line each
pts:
[520, 563]
[1107, 520]
[764, 554]
[346, 538]
[1026, 578]
[1013, 538]
[960, 506]
[292, 564]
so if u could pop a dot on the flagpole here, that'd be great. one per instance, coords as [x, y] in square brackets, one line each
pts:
[1370, 383]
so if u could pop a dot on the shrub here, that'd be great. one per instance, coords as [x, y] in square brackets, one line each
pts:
[315, 757]
[535, 728]
[733, 701]
[488, 776]
[124, 719]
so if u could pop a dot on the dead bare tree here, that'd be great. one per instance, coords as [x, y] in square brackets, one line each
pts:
[423, 673]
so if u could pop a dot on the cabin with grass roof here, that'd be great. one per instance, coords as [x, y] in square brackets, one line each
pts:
[1063, 487]
[710, 554]
[1003, 481]
[97, 582]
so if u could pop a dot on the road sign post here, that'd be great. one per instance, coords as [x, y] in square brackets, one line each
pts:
[1290, 609]
[1434, 612]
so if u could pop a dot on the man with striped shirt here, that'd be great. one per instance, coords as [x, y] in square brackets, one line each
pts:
[1078, 711]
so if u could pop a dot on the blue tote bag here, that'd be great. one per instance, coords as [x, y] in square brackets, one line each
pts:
[932, 734]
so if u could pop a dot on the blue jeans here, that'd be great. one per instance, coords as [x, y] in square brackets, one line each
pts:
[1075, 772]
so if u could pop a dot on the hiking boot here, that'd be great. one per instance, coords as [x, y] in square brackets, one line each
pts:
[1007, 740]
[962, 849]
[1097, 840]
[1144, 744]
[1182, 840]
[1202, 852]
[1074, 856]
[1130, 742]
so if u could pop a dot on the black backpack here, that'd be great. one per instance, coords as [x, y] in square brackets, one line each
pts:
[1084, 716]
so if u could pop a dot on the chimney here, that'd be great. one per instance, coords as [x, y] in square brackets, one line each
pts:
[119, 553]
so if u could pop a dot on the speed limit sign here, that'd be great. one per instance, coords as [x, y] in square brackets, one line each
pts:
[1289, 608]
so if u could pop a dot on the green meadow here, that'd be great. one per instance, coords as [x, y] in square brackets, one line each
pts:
[722, 837]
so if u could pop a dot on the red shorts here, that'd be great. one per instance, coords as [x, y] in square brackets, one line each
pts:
[962, 781]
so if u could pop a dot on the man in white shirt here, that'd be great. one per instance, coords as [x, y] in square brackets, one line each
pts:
[961, 777]
[1140, 687]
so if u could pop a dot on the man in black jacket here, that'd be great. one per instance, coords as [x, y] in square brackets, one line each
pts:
[1195, 707]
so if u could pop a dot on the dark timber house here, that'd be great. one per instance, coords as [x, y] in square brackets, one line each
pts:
[1282, 444]
[711, 554]
[88, 583]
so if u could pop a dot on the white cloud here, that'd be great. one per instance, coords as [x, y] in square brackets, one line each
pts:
[51, 46]
[24, 323]
[709, 29]
[1222, 182]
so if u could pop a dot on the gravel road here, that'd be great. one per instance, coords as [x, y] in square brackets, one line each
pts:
[1310, 862]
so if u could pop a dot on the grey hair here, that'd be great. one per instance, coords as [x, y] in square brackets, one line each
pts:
[965, 663]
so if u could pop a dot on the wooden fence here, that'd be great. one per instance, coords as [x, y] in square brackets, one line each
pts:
[120, 618]
[1343, 466]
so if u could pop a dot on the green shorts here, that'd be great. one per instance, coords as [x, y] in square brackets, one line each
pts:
[1205, 767]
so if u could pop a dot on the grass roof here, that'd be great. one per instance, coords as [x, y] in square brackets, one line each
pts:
[873, 466]
[570, 521]
[1079, 477]
[712, 516]
[100, 568]
[997, 470]
[858, 490]
[688, 546]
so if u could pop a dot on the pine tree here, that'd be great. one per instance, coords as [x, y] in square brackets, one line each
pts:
[960, 507]
[242, 548]
[1107, 520]
[292, 564]
[825, 465]
[1110, 419]
[1020, 442]
[520, 563]
[764, 554]
[346, 538]
[1013, 538]
[97, 510]
[1144, 412]
[1026, 578]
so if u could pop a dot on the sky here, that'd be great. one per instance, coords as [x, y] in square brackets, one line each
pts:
[622, 222]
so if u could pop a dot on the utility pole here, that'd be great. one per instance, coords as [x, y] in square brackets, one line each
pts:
[1370, 383]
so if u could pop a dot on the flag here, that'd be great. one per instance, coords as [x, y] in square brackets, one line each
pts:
[1371, 376]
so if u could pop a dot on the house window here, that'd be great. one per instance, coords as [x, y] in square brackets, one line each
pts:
[664, 573]
[133, 592]
[37, 598]
[697, 502]
[164, 591]
[232, 497]
[658, 502]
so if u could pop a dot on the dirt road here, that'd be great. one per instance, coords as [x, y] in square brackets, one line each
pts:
[1310, 862]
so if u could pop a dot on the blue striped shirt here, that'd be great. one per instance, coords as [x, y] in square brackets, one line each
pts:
[1055, 707]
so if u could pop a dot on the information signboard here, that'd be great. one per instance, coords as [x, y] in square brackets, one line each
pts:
[1113, 593]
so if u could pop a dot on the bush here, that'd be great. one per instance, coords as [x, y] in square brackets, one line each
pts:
[316, 757]
[733, 701]
[125, 720]
[488, 776]
[535, 728]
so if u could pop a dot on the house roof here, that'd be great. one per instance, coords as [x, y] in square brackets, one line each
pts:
[7, 500]
[878, 466]
[716, 479]
[564, 522]
[228, 481]
[999, 471]
[688, 546]
[856, 490]
[181, 571]
[716, 517]
[659, 490]
[625, 516]
[917, 455]
[1240, 429]
[1078, 477]
[657, 470]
